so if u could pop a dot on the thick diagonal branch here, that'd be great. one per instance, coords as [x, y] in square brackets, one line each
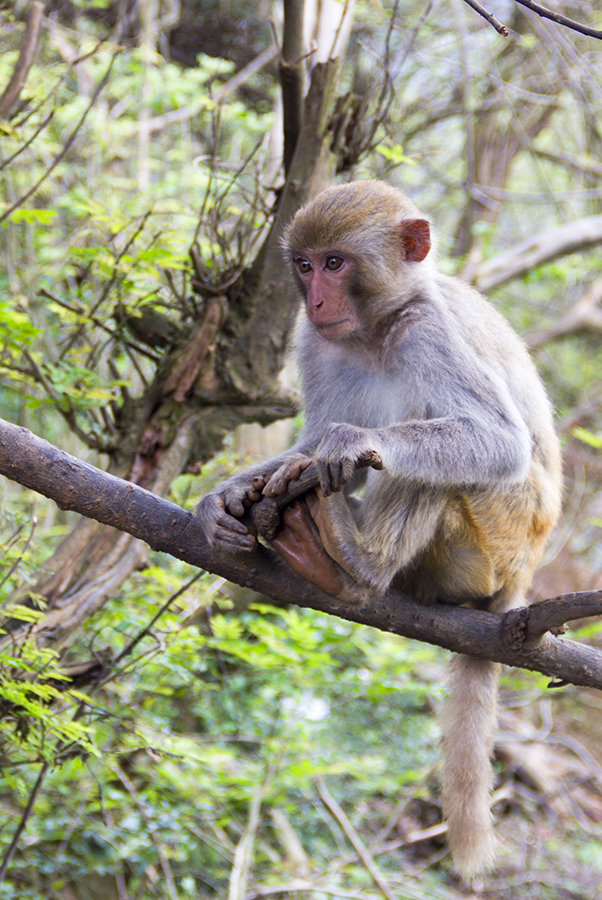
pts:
[78, 486]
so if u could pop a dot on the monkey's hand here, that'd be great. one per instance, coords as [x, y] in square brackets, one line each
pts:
[288, 471]
[339, 452]
[217, 512]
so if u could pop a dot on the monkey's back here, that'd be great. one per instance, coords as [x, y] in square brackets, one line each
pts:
[509, 526]
[495, 342]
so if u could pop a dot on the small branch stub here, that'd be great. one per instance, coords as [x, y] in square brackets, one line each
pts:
[525, 628]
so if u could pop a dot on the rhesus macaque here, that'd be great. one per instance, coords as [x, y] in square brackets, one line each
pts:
[415, 365]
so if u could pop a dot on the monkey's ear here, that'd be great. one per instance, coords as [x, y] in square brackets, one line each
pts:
[415, 239]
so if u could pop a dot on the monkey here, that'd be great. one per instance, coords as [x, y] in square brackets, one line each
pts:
[399, 359]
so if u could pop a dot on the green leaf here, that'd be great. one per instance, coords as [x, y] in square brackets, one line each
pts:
[34, 216]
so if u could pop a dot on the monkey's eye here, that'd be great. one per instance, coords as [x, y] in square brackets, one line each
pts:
[303, 265]
[334, 262]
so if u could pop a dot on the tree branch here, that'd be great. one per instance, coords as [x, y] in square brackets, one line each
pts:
[27, 54]
[23, 821]
[537, 250]
[546, 13]
[292, 76]
[542, 11]
[489, 17]
[63, 152]
[584, 316]
[513, 639]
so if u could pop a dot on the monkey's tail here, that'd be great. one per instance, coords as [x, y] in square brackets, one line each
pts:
[468, 721]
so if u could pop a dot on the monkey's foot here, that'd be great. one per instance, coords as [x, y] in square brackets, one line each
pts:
[296, 541]
[254, 493]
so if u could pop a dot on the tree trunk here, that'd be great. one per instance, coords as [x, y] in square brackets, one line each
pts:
[211, 379]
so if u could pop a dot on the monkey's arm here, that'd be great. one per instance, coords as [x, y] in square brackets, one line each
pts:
[472, 432]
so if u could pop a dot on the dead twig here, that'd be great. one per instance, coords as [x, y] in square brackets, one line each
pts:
[499, 26]
[338, 813]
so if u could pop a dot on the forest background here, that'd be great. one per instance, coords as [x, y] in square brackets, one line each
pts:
[166, 733]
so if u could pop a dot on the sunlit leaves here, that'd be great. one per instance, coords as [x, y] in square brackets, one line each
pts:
[16, 329]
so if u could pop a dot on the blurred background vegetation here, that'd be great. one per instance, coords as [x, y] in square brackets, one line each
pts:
[167, 735]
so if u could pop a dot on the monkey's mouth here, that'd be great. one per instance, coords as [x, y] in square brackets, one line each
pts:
[324, 325]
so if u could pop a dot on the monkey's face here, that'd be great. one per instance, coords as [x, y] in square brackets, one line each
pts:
[325, 277]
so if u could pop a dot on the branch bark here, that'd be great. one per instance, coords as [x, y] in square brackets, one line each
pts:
[546, 13]
[292, 76]
[542, 11]
[27, 55]
[537, 250]
[584, 316]
[515, 638]
[489, 17]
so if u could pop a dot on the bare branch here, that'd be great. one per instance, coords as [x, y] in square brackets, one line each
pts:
[23, 821]
[61, 155]
[542, 11]
[584, 315]
[79, 486]
[537, 250]
[554, 613]
[292, 76]
[499, 26]
[588, 166]
[27, 54]
[546, 13]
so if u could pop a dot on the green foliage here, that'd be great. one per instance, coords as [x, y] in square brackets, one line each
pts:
[88, 250]
[37, 704]
[202, 717]
[16, 330]
[394, 154]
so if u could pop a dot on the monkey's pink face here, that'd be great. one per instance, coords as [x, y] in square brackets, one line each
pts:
[325, 276]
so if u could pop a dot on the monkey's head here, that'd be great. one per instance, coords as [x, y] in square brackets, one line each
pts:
[353, 249]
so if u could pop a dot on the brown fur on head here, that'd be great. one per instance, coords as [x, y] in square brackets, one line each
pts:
[364, 220]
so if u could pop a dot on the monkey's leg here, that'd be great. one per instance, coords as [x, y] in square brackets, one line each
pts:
[381, 537]
[318, 511]
[297, 542]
